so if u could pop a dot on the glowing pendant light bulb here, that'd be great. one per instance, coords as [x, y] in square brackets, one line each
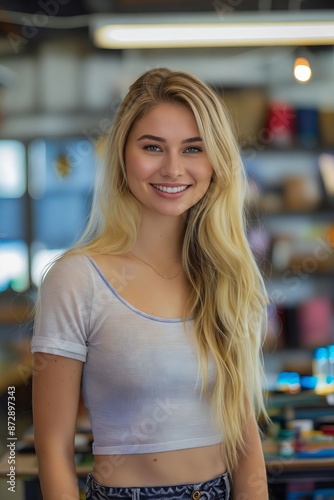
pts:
[302, 70]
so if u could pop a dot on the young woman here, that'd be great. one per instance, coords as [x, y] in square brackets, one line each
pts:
[157, 314]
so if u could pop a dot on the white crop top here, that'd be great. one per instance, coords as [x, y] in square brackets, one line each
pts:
[141, 383]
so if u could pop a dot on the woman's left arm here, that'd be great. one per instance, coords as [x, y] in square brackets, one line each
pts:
[249, 477]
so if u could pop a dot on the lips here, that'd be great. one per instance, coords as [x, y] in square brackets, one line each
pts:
[171, 189]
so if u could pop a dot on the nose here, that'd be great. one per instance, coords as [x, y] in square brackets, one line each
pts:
[172, 165]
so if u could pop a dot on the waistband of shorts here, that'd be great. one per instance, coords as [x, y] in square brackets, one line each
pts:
[218, 484]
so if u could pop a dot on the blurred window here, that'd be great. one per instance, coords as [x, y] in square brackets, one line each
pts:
[14, 266]
[45, 199]
[61, 177]
[12, 169]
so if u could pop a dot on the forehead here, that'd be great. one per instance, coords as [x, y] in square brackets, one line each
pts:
[167, 116]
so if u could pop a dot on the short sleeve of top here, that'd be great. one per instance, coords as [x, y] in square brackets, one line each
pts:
[63, 309]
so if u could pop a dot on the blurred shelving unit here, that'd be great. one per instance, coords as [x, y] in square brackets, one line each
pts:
[290, 216]
[288, 152]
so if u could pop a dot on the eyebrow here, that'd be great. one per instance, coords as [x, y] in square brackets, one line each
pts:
[161, 139]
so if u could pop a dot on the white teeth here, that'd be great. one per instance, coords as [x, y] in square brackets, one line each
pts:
[170, 189]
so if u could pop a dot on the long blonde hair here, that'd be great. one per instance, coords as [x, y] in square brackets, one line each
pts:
[228, 298]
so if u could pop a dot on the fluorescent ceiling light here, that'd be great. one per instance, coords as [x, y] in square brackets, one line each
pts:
[155, 32]
[133, 36]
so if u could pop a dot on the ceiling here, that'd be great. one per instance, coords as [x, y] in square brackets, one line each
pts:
[10, 24]
[75, 7]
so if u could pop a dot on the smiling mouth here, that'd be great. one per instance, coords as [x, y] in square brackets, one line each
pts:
[169, 189]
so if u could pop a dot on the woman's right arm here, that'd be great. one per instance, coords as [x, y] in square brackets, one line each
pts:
[56, 392]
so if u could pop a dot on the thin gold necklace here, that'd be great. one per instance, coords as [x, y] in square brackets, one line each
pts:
[157, 272]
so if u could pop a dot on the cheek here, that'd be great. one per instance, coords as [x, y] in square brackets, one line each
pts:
[132, 166]
[203, 182]
[204, 173]
[139, 167]
[204, 179]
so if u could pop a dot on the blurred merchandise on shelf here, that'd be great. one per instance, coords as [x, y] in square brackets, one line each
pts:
[326, 169]
[323, 361]
[280, 125]
[297, 430]
[285, 183]
[286, 443]
[300, 492]
[248, 110]
[323, 494]
[307, 128]
[288, 382]
[331, 362]
[297, 491]
[300, 193]
[326, 126]
[315, 376]
[281, 252]
[315, 322]
[330, 236]
[318, 379]
[290, 220]
[307, 325]
[277, 123]
[300, 256]
[301, 425]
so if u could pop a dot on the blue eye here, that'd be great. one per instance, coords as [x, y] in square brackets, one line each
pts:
[151, 147]
[193, 149]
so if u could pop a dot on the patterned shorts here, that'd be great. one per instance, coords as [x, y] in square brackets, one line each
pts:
[217, 488]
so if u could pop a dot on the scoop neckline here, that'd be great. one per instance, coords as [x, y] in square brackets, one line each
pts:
[130, 306]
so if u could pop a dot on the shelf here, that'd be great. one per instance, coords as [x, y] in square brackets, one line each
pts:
[15, 308]
[294, 464]
[15, 314]
[282, 471]
[328, 212]
[304, 398]
[17, 371]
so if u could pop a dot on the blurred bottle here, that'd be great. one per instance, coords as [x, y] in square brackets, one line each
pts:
[320, 366]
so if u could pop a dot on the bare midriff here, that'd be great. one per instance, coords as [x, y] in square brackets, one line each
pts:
[191, 465]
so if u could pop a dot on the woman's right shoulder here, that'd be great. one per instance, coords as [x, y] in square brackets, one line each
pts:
[70, 268]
